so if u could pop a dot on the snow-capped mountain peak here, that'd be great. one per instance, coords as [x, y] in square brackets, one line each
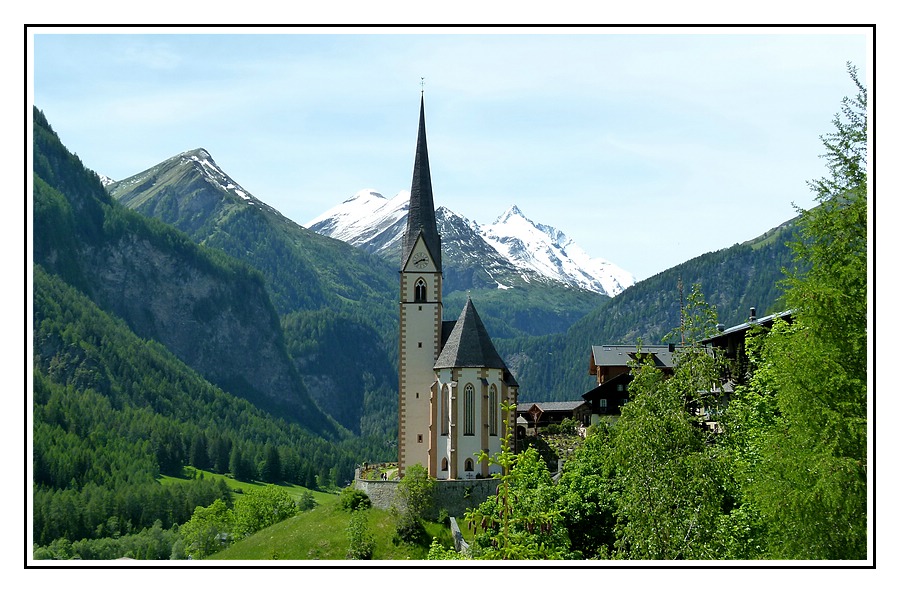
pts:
[511, 212]
[550, 252]
[366, 218]
[514, 242]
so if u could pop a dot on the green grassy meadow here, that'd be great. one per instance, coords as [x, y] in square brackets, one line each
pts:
[238, 487]
[319, 533]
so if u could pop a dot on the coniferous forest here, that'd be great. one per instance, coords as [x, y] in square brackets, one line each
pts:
[114, 411]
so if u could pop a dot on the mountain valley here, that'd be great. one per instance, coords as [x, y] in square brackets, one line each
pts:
[297, 322]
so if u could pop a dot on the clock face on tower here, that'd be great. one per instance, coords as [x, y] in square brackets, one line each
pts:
[420, 260]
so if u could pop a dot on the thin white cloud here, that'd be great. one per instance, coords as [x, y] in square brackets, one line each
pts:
[563, 125]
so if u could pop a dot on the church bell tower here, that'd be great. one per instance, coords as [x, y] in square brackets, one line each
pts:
[421, 312]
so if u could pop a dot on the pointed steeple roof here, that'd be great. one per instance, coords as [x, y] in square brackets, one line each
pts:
[421, 201]
[469, 344]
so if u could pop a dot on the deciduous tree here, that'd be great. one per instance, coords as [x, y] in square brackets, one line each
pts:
[260, 508]
[670, 479]
[522, 521]
[208, 530]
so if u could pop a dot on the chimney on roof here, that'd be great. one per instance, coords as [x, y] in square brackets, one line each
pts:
[671, 347]
[752, 313]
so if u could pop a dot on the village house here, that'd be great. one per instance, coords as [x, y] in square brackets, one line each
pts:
[611, 364]
[731, 343]
[532, 416]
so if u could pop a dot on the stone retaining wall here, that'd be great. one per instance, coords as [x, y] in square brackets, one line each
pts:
[454, 496]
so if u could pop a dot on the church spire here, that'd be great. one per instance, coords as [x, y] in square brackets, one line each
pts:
[421, 201]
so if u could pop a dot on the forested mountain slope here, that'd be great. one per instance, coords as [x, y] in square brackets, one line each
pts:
[302, 269]
[209, 310]
[734, 279]
[113, 409]
[336, 301]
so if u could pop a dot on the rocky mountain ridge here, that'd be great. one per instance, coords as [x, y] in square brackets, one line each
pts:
[209, 310]
[512, 250]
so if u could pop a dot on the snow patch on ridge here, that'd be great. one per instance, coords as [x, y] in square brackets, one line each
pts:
[551, 253]
[361, 217]
[368, 218]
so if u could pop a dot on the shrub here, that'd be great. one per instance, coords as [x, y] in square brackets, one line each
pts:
[306, 502]
[362, 542]
[262, 507]
[410, 530]
[354, 500]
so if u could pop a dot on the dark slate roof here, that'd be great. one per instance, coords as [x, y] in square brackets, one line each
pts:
[767, 321]
[420, 219]
[622, 355]
[446, 330]
[550, 406]
[469, 344]
[609, 388]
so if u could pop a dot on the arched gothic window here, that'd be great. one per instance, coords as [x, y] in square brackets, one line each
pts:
[444, 464]
[445, 410]
[421, 291]
[492, 409]
[470, 465]
[470, 409]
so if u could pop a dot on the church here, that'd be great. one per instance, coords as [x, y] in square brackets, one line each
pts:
[452, 380]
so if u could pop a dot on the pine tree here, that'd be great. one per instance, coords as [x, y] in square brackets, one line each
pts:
[272, 465]
[199, 456]
[805, 464]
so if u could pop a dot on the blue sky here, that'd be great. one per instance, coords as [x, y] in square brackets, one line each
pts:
[647, 146]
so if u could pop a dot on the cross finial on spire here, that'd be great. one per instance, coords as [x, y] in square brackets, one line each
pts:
[422, 84]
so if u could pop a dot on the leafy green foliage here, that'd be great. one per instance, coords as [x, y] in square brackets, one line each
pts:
[588, 495]
[798, 431]
[415, 491]
[354, 500]
[362, 542]
[260, 508]
[670, 480]
[208, 530]
[437, 551]
[787, 477]
[521, 522]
